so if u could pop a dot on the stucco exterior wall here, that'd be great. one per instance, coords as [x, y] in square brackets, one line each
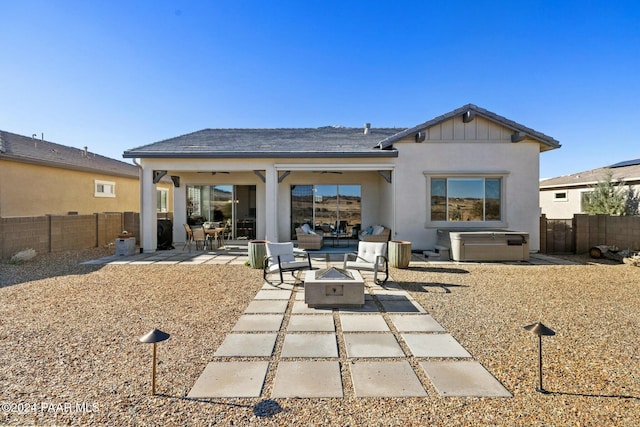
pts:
[33, 190]
[565, 208]
[517, 163]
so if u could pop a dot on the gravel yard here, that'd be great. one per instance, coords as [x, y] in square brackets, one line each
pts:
[69, 352]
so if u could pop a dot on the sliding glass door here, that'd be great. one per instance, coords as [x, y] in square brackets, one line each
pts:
[326, 207]
[233, 206]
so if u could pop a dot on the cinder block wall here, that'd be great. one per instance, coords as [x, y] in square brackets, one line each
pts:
[72, 232]
[594, 230]
[52, 233]
[22, 233]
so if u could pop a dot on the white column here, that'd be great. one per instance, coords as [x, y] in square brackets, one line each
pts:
[271, 205]
[179, 212]
[148, 215]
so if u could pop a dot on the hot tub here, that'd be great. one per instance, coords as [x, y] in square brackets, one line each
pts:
[486, 245]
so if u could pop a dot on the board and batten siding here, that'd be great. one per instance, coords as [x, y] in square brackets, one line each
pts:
[479, 129]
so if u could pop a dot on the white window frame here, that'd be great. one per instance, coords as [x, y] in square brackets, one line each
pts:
[502, 175]
[100, 186]
[561, 199]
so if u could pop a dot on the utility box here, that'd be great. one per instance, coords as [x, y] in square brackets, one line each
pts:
[125, 246]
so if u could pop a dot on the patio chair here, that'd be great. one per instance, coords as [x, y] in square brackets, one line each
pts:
[371, 256]
[200, 237]
[281, 257]
[187, 228]
[307, 240]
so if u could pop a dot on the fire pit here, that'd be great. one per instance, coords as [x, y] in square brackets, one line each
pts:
[333, 288]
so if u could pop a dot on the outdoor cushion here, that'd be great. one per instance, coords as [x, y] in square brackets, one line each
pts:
[305, 228]
[378, 229]
[370, 251]
[284, 250]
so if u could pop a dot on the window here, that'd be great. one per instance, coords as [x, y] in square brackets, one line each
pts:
[162, 205]
[104, 189]
[466, 199]
[560, 196]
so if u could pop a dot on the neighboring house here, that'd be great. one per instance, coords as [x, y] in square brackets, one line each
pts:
[38, 177]
[564, 196]
[469, 168]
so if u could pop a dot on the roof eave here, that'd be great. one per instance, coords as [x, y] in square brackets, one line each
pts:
[257, 154]
[61, 165]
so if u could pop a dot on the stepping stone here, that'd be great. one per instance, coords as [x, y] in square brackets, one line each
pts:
[307, 379]
[385, 379]
[434, 345]
[369, 306]
[230, 379]
[311, 323]
[372, 345]
[247, 345]
[463, 378]
[299, 307]
[259, 322]
[401, 306]
[277, 287]
[415, 323]
[273, 294]
[363, 323]
[267, 306]
[310, 345]
[387, 294]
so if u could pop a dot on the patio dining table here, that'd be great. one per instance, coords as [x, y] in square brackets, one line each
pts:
[217, 235]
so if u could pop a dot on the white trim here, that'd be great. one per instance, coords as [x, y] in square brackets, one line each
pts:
[333, 166]
[503, 175]
[106, 185]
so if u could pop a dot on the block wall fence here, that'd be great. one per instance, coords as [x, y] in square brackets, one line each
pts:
[55, 233]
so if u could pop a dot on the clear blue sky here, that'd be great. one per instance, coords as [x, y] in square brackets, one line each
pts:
[114, 75]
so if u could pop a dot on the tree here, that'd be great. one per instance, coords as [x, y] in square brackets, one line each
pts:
[608, 197]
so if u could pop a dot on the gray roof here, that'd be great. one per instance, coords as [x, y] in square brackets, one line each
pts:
[37, 151]
[546, 142]
[628, 172]
[329, 141]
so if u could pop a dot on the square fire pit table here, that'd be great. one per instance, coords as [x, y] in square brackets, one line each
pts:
[333, 288]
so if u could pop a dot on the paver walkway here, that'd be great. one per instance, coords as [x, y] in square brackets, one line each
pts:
[279, 347]
[390, 347]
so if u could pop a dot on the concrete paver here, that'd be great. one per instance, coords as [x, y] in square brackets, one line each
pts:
[258, 323]
[463, 378]
[247, 345]
[434, 345]
[372, 345]
[273, 294]
[311, 323]
[363, 323]
[230, 379]
[310, 345]
[307, 379]
[267, 306]
[385, 379]
[401, 306]
[415, 323]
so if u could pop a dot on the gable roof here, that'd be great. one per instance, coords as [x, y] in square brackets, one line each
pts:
[546, 142]
[25, 149]
[627, 171]
[328, 141]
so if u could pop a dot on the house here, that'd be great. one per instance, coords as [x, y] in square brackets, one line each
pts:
[39, 177]
[469, 168]
[564, 196]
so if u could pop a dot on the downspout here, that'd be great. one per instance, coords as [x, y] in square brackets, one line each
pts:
[135, 162]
